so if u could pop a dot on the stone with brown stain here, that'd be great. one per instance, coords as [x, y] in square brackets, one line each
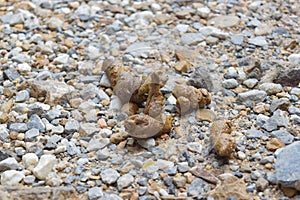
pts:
[221, 139]
[275, 144]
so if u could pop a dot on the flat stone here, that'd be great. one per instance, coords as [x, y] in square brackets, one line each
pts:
[4, 133]
[194, 147]
[18, 127]
[11, 177]
[55, 23]
[192, 38]
[287, 166]
[146, 143]
[289, 77]
[283, 135]
[252, 95]
[139, 49]
[203, 12]
[9, 164]
[62, 59]
[45, 166]
[225, 21]
[124, 181]
[252, 134]
[263, 29]
[11, 74]
[88, 129]
[294, 58]
[97, 143]
[271, 88]
[258, 41]
[109, 176]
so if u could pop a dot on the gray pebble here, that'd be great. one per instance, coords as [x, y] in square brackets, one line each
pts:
[250, 83]
[36, 122]
[196, 187]
[230, 83]
[109, 176]
[18, 127]
[271, 88]
[124, 181]
[22, 96]
[252, 95]
[31, 134]
[283, 135]
[71, 126]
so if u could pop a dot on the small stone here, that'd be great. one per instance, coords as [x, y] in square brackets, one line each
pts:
[102, 123]
[4, 133]
[22, 96]
[261, 184]
[29, 179]
[182, 27]
[230, 83]
[95, 193]
[146, 143]
[11, 74]
[196, 188]
[30, 160]
[124, 181]
[36, 122]
[205, 115]
[252, 95]
[287, 166]
[283, 135]
[182, 66]
[97, 143]
[282, 103]
[54, 23]
[192, 38]
[72, 126]
[294, 58]
[263, 29]
[53, 179]
[241, 155]
[203, 12]
[225, 21]
[278, 119]
[271, 88]
[275, 144]
[9, 164]
[18, 127]
[179, 181]
[237, 39]
[139, 49]
[31, 134]
[295, 91]
[109, 176]
[164, 164]
[45, 166]
[11, 177]
[183, 167]
[250, 83]
[254, 134]
[258, 41]
[24, 67]
[194, 147]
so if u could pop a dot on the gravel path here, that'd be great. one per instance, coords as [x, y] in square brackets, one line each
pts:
[63, 134]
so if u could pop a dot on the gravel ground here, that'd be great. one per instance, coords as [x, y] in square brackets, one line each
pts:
[62, 130]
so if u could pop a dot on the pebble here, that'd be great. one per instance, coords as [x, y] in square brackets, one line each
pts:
[36, 122]
[196, 188]
[203, 12]
[230, 83]
[18, 127]
[109, 176]
[252, 95]
[9, 164]
[250, 83]
[192, 38]
[125, 181]
[146, 143]
[11, 178]
[282, 103]
[71, 126]
[278, 119]
[30, 160]
[283, 135]
[95, 193]
[44, 166]
[287, 166]
[258, 41]
[271, 88]
[179, 181]
[194, 147]
[22, 96]
[237, 39]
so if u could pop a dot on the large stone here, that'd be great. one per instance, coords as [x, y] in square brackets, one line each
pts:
[11, 178]
[9, 164]
[287, 166]
[45, 166]
[289, 77]
[54, 91]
